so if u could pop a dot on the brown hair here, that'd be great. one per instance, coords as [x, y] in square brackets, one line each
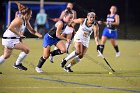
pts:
[68, 11]
[26, 11]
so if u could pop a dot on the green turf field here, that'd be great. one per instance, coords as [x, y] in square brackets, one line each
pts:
[90, 75]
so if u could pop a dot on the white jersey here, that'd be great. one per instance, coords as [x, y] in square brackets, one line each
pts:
[83, 33]
[10, 43]
[68, 30]
[9, 33]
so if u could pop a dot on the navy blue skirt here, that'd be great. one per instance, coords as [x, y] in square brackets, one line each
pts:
[49, 41]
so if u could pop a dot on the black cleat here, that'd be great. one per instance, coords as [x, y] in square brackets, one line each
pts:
[63, 63]
[67, 69]
[20, 67]
[0, 72]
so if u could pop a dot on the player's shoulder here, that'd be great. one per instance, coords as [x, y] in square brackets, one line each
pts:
[60, 22]
[108, 15]
[116, 14]
[73, 11]
[63, 11]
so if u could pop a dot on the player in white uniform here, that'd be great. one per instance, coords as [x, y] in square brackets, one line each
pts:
[68, 31]
[81, 40]
[18, 14]
[12, 38]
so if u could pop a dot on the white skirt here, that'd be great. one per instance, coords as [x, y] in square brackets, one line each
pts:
[9, 43]
[79, 37]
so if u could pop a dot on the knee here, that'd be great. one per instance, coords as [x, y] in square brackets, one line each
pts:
[78, 52]
[81, 56]
[6, 56]
[27, 50]
[45, 57]
[63, 50]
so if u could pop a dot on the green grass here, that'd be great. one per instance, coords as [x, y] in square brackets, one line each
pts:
[90, 75]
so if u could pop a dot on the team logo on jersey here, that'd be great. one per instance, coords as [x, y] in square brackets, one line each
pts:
[110, 19]
[85, 30]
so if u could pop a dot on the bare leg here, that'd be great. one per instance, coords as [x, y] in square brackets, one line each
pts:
[69, 38]
[103, 41]
[7, 53]
[115, 45]
[46, 53]
[75, 60]
[23, 54]
[78, 47]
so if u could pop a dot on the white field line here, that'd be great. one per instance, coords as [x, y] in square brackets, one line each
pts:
[61, 87]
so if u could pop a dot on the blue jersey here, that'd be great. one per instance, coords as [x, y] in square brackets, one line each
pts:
[110, 19]
[50, 37]
[110, 31]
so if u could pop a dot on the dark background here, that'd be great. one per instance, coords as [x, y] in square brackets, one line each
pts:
[127, 9]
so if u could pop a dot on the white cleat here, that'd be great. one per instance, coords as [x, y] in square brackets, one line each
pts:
[118, 54]
[38, 70]
[51, 58]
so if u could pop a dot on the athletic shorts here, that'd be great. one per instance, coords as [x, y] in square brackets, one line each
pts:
[68, 30]
[79, 37]
[9, 43]
[109, 33]
[49, 41]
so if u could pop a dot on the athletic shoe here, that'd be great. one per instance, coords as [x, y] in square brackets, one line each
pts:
[67, 69]
[20, 67]
[51, 58]
[63, 63]
[0, 72]
[38, 70]
[118, 54]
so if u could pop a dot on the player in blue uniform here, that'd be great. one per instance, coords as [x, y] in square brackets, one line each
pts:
[54, 37]
[110, 31]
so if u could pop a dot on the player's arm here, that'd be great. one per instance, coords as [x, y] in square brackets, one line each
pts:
[15, 23]
[78, 21]
[117, 20]
[59, 26]
[96, 33]
[116, 23]
[31, 30]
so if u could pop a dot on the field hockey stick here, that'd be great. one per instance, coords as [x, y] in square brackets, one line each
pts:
[73, 33]
[106, 61]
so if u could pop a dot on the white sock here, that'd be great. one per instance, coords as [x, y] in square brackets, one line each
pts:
[76, 60]
[2, 59]
[71, 55]
[21, 56]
